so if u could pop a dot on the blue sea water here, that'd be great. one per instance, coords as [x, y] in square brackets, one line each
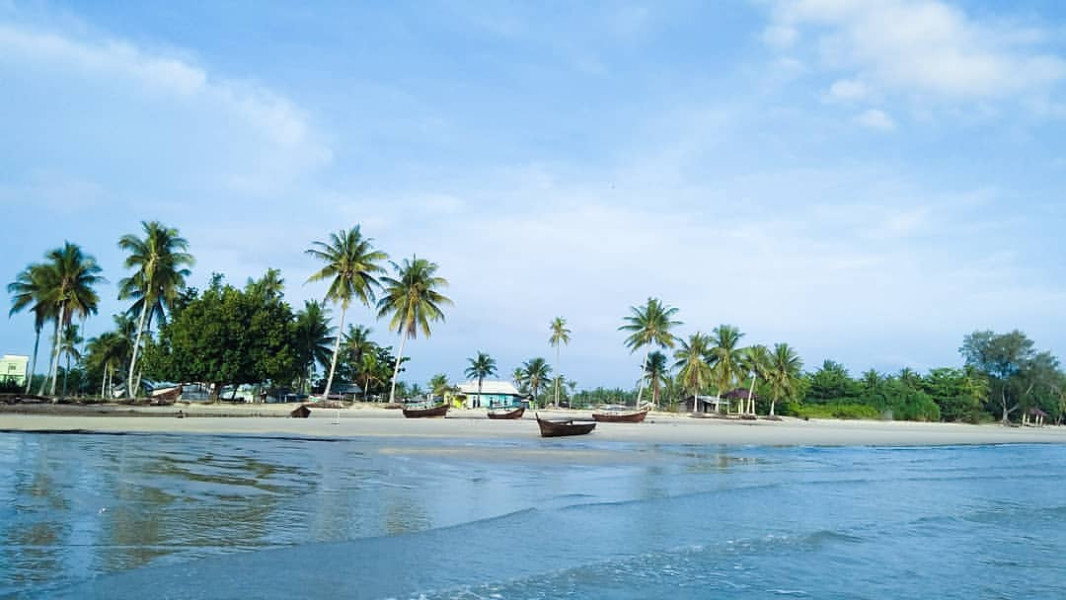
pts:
[184, 516]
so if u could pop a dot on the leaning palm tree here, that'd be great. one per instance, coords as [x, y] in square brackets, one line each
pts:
[560, 335]
[28, 291]
[783, 374]
[756, 361]
[351, 264]
[649, 326]
[693, 371]
[160, 262]
[536, 372]
[414, 301]
[656, 371]
[72, 275]
[724, 357]
[480, 367]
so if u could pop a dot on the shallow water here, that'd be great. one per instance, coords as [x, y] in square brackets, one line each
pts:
[181, 516]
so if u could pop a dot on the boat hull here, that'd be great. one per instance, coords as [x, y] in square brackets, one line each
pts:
[635, 416]
[510, 414]
[421, 413]
[564, 428]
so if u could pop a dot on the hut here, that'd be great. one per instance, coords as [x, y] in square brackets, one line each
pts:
[1034, 417]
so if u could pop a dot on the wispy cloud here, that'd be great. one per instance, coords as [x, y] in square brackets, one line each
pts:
[875, 119]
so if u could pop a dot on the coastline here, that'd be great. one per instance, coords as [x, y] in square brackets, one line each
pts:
[362, 421]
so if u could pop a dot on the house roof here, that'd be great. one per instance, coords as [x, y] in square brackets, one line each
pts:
[489, 387]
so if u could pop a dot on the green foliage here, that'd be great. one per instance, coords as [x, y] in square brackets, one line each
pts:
[831, 384]
[830, 411]
[227, 336]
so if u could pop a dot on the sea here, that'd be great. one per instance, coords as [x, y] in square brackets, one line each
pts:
[222, 516]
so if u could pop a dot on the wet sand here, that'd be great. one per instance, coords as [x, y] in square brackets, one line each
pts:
[472, 424]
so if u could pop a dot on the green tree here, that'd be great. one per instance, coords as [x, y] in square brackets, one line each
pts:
[831, 383]
[725, 357]
[656, 372]
[480, 367]
[68, 347]
[756, 361]
[107, 352]
[560, 334]
[649, 326]
[1001, 357]
[351, 266]
[70, 279]
[29, 290]
[783, 374]
[535, 373]
[160, 262]
[414, 300]
[439, 385]
[313, 340]
[694, 374]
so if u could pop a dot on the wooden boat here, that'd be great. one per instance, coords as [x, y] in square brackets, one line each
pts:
[422, 410]
[300, 412]
[166, 396]
[621, 416]
[507, 413]
[564, 427]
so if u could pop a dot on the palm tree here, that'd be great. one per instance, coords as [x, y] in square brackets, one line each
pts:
[693, 371]
[28, 291]
[68, 346]
[655, 372]
[724, 357]
[536, 372]
[71, 279]
[756, 361]
[414, 301]
[159, 261]
[560, 335]
[649, 326]
[784, 374]
[480, 367]
[107, 351]
[439, 385]
[313, 338]
[351, 263]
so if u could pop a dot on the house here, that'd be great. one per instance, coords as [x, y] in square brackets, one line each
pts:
[706, 404]
[13, 369]
[493, 394]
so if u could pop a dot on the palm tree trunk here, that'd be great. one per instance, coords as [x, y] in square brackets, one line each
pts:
[55, 349]
[66, 372]
[751, 390]
[130, 389]
[643, 366]
[103, 383]
[396, 369]
[33, 365]
[557, 376]
[336, 351]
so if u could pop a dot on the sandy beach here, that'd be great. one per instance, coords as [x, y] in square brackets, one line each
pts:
[472, 424]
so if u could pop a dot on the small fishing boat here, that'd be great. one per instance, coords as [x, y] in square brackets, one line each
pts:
[507, 413]
[620, 414]
[301, 412]
[415, 411]
[564, 427]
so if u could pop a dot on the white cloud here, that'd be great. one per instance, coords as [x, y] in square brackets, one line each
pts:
[848, 90]
[875, 119]
[924, 48]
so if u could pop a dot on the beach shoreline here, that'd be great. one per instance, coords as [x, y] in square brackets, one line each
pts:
[378, 422]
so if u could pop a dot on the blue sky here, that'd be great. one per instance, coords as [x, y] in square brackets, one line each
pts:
[866, 181]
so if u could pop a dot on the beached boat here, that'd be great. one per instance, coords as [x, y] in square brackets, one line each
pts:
[620, 415]
[564, 427]
[166, 396]
[416, 411]
[507, 413]
[301, 412]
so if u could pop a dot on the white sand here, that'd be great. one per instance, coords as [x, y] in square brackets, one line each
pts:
[472, 424]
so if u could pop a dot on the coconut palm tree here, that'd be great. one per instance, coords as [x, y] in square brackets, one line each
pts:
[160, 262]
[649, 326]
[783, 374]
[724, 357]
[656, 371]
[108, 351]
[693, 371]
[356, 343]
[481, 366]
[439, 385]
[560, 335]
[351, 266]
[756, 361]
[536, 372]
[68, 347]
[414, 300]
[313, 339]
[70, 289]
[28, 291]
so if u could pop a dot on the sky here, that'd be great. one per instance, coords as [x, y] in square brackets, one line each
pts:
[866, 181]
